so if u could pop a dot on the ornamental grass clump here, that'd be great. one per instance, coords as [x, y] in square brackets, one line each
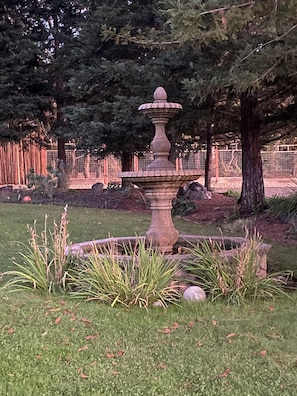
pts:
[44, 264]
[234, 276]
[140, 276]
[285, 208]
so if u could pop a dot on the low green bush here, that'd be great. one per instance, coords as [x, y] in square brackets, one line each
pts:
[182, 206]
[283, 207]
[141, 276]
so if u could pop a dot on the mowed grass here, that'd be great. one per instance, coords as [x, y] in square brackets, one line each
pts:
[52, 345]
[84, 225]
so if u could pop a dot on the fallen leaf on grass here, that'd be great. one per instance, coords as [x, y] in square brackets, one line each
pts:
[58, 320]
[166, 330]
[191, 324]
[110, 355]
[175, 326]
[84, 348]
[91, 337]
[8, 329]
[161, 366]
[121, 352]
[274, 336]
[225, 373]
[82, 374]
[263, 352]
[38, 357]
[214, 322]
[54, 309]
[86, 321]
[230, 335]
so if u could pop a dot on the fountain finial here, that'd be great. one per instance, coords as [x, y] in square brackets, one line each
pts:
[160, 95]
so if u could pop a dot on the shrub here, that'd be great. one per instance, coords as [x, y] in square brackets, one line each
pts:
[232, 194]
[44, 264]
[182, 206]
[233, 277]
[46, 184]
[141, 276]
[284, 208]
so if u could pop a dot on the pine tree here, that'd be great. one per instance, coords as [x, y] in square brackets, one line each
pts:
[24, 102]
[253, 45]
[110, 82]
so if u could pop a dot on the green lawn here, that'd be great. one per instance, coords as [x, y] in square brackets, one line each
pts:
[53, 346]
[57, 346]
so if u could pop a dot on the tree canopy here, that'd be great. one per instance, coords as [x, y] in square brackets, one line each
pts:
[80, 68]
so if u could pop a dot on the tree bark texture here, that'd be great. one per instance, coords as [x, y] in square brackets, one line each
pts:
[127, 165]
[208, 159]
[252, 197]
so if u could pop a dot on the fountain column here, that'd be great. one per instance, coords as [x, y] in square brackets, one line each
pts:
[160, 181]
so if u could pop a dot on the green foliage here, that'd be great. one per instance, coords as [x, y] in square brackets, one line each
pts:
[45, 184]
[232, 194]
[283, 207]
[233, 276]
[182, 206]
[44, 263]
[183, 351]
[141, 277]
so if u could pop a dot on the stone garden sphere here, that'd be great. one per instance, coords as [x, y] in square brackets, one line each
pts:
[194, 293]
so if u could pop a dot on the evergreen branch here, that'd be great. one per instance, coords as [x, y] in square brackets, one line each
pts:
[267, 43]
[125, 37]
[292, 74]
[227, 8]
[265, 74]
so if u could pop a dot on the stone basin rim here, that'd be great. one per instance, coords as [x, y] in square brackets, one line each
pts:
[169, 175]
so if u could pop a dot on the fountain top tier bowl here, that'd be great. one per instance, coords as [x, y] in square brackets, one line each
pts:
[160, 107]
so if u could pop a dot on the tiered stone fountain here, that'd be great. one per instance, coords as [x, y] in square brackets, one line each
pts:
[160, 183]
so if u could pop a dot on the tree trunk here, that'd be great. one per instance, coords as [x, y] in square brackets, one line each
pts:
[127, 165]
[87, 162]
[208, 159]
[252, 197]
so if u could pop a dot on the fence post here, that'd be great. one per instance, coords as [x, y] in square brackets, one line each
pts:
[105, 171]
[136, 164]
[217, 162]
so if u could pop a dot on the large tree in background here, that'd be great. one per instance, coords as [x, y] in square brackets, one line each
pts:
[111, 81]
[24, 101]
[35, 39]
[61, 21]
[256, 41]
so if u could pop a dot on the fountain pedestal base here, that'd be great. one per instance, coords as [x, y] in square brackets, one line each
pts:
[160, 188]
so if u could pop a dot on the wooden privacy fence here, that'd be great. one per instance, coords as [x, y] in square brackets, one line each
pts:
[16, 161]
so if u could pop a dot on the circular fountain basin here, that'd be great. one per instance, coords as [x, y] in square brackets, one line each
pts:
[181, 249]
[174, 177]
